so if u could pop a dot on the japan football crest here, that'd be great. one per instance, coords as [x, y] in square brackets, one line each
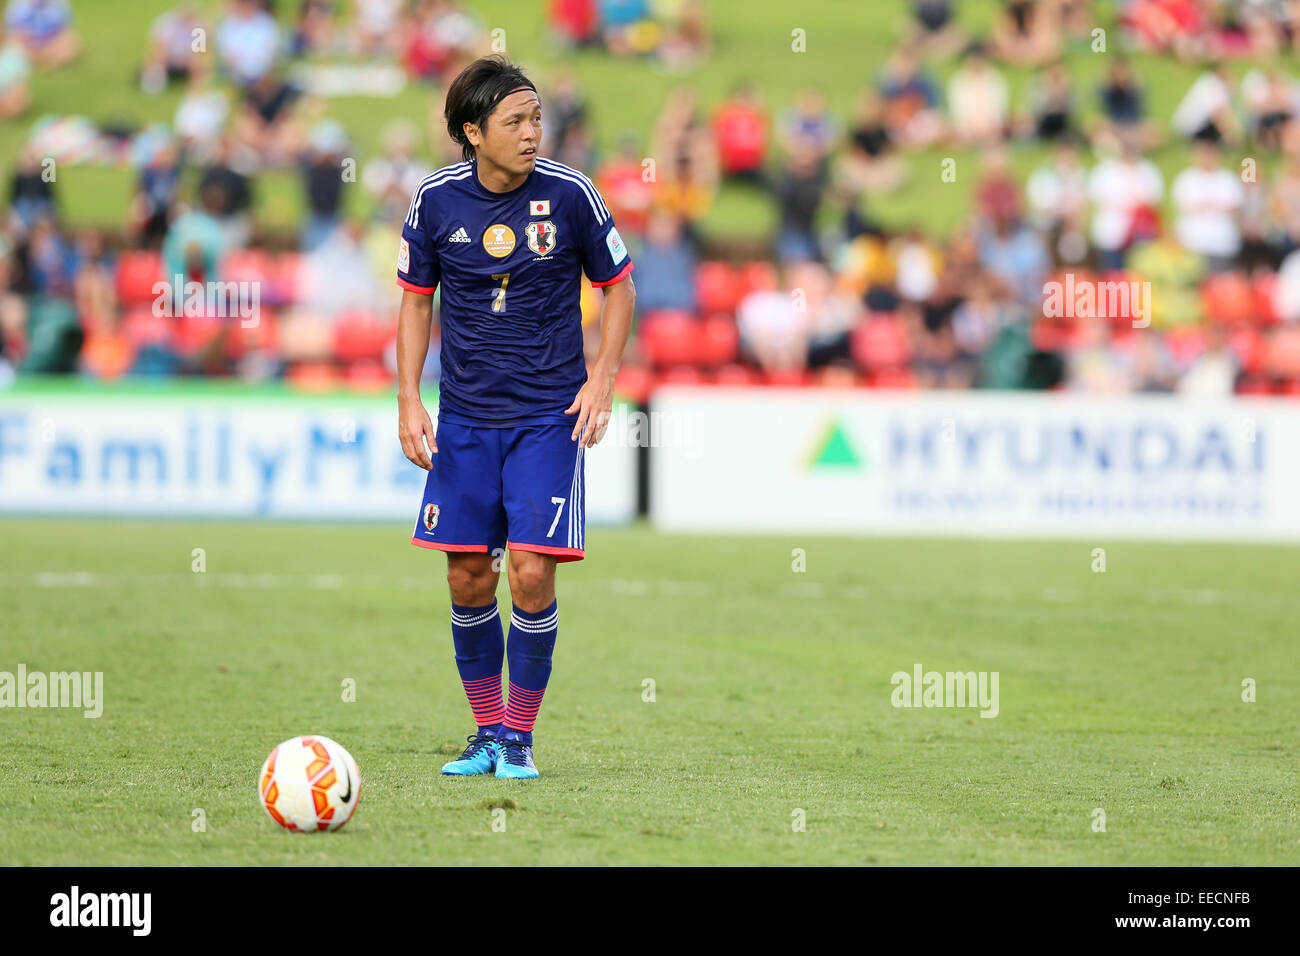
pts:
[431, 516]
[541, 237]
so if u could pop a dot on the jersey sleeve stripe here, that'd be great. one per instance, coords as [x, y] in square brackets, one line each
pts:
[423, 290]
[622, 274]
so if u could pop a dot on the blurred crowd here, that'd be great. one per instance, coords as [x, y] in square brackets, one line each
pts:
[1210, 255]
[830, 295]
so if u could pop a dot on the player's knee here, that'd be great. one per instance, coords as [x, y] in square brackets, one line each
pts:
[532, 580]
[471, 579]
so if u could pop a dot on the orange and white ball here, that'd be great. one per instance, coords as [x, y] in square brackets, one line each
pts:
[309, 783]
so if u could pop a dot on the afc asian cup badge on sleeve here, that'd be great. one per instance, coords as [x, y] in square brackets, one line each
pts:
[431, 513]
[617, 251]
[404, 256]
[541, 237]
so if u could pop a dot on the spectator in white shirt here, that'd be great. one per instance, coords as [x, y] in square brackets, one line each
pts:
[1124, 190]
[1058, 198]
[773, 332]
[248, 42]
[391, 179]
[1206, 110]
[1208, 198]
[977, 100]
[1214, 372]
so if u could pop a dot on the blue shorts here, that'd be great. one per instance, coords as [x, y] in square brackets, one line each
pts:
[494, 488]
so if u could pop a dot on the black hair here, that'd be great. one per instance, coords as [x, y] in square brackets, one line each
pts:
[475, 93]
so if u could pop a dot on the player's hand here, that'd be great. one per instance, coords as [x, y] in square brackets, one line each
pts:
[593, 406]
[414, 427]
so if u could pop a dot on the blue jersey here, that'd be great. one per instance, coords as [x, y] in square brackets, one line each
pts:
[510, 267]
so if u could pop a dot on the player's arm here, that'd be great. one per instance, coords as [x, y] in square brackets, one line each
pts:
[414, 427]
[418, 273]
[606, 262]
[595, 401]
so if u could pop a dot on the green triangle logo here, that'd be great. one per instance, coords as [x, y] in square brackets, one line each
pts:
[834, 450]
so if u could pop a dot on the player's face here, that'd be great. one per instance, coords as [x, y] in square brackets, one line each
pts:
[514, 133]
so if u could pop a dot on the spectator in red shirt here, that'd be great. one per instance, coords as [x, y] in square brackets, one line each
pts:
[740, 128]
[574, 22]
[627, 186]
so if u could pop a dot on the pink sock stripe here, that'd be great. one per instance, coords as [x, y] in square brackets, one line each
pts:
[522, 708]
[484, 695]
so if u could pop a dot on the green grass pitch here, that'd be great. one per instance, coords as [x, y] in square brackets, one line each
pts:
[1119, 690]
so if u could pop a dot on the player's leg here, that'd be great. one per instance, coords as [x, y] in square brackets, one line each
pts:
[463, 515]
[542, 491]
[480, 652]
[534, 624]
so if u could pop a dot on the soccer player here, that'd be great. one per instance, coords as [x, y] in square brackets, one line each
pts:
[506, 233]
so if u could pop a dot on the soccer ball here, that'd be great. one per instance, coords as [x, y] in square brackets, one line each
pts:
[309, 783]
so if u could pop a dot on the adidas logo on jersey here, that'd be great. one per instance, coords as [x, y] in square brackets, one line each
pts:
[460, 235]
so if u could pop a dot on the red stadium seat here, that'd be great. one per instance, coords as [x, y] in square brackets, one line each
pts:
[898, 378]
[718, 287]
[737, 375]
[1185, 343]
[1228, 298]
[718, 341]
[368, 376]
[107, 355]
[879, 343]
[682, 375]
[836, 376]
[362, 336]
[286, 279]
[137, 273]
[262, 337]
[1249, 346]
[245, 265]
[1047, 335]
[670, 338]
[142, 328]
[313, 376]
[635, 383]
[1282, 353]
[1265, 287]
[1121, 316]
[786, 377]
[757, 276]
[196, 333]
